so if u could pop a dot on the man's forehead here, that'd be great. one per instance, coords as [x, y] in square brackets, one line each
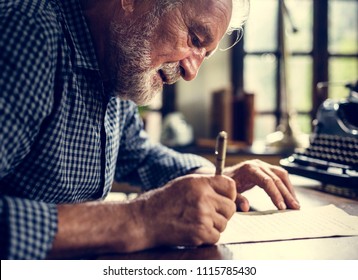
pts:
[208, 17]
[208, 8]
[219, 10]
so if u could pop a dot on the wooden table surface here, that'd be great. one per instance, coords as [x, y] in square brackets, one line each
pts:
[331, 248]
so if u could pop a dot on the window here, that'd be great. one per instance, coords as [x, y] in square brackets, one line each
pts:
[323, 49]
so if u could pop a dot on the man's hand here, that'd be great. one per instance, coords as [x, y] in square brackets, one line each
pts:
[191, 210]
[273, 179]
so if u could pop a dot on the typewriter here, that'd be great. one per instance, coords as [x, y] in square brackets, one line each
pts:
[332, 155]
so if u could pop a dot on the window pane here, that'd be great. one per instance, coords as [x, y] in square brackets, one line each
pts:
[343, 26]
[264, 125]
[343, 70]
[300, 81]
[260, 29]
[305, 124]
[259, 78]
[301, 12]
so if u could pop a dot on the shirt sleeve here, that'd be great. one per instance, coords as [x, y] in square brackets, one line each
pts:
[27, 227]
[146, 164]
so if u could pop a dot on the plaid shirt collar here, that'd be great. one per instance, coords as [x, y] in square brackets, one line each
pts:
[76, 25]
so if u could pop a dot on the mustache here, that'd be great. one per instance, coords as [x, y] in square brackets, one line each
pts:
[170, 72]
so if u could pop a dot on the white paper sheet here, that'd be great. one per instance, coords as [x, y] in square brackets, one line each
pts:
[321, 221]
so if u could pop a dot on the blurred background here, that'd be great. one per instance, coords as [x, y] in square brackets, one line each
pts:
[321, 44]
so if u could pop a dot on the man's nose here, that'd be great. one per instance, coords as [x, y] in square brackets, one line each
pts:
[190, 65]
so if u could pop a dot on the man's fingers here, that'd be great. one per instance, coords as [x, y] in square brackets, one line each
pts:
[225, 206]
[220, 222]
[273, 179]
[208, 232]
[242, 203]
[283, 174]
[287, 192]
[224, 186]
[268, 184]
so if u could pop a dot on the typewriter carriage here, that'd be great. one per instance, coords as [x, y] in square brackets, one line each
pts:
[339, 117]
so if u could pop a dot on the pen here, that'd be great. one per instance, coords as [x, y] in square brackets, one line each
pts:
[220, 152]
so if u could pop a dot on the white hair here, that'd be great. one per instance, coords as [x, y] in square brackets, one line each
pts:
[240, 13]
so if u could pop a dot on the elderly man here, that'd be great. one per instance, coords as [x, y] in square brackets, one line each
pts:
[71, 75]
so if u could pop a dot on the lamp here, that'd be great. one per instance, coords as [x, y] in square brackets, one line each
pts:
[287, 136]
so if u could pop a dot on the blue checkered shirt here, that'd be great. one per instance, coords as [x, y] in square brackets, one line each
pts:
[63, 139]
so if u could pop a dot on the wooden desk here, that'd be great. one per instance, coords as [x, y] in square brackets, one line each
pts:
[335, 248]
[238, 154]
[234, 155]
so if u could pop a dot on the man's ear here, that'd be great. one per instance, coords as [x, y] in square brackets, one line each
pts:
[127, 6]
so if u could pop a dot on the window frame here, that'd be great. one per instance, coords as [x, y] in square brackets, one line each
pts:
[320, 62]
